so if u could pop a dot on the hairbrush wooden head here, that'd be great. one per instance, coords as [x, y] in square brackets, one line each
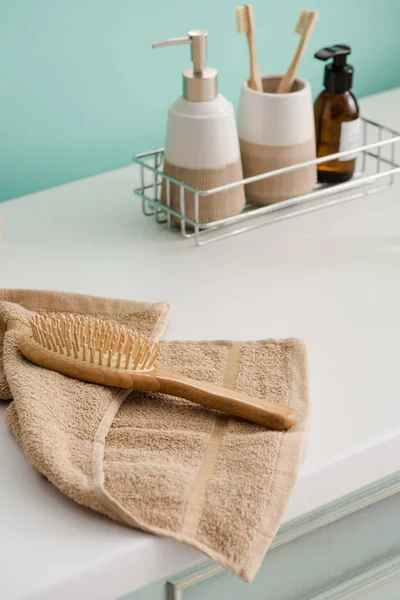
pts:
[94, 342]
[103, 352]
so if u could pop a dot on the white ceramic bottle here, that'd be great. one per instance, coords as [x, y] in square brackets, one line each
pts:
[202, 146]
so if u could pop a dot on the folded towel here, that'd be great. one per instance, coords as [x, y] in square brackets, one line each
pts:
[153, 461]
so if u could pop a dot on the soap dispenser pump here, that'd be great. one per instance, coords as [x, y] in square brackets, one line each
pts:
[337, 123]
[202, 146]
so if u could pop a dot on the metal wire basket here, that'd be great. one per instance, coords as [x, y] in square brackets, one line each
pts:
[375, 163]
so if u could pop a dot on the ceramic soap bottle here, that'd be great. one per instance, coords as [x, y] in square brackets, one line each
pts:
[202, 146]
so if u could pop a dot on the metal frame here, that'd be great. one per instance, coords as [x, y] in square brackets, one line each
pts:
[203, 233]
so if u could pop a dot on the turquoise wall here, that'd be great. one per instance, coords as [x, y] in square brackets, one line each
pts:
[82, 90]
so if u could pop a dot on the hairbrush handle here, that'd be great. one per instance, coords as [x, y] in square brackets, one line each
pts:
[262, 412]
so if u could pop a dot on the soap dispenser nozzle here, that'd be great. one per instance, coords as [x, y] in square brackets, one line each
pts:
[199, 83]
[337, 52]
[198, 41]
[338, 74]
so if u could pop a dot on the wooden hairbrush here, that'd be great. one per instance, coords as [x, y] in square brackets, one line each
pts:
[98, 351]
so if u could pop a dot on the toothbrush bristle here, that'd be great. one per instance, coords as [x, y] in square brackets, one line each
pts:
[242, 19]
[93, 341]
[303, 21]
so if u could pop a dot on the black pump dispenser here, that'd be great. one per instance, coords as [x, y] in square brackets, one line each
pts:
[338, 76]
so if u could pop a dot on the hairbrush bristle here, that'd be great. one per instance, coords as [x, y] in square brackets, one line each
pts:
[94, 341]
[242, 19]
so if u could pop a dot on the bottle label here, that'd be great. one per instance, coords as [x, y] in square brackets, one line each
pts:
[350, 138]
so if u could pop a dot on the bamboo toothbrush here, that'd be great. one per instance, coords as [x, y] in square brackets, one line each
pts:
[305, 26]
[245, 24]
[101, 352]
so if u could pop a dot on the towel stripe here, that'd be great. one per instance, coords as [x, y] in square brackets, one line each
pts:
[197, 497]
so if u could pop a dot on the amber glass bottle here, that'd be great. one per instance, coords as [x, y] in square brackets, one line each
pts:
[337, 124]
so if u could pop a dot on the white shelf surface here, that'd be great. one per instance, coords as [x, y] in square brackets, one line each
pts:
[331, 277]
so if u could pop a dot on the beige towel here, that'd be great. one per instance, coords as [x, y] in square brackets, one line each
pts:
[153, 461]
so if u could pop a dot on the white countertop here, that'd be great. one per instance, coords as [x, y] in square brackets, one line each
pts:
[331, 277]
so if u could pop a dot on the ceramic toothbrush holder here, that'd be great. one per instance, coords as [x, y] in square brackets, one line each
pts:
[275, 131]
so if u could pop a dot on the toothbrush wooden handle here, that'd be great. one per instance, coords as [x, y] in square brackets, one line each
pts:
[255, 81]
[287, 81]
[302, 46]
[262, 412]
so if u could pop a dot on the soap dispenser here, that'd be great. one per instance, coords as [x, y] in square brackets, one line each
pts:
[337, 122]
[202, 146]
